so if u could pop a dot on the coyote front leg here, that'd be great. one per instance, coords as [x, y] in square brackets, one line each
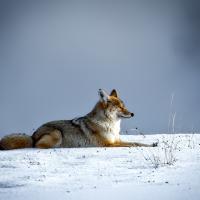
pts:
[131, 144]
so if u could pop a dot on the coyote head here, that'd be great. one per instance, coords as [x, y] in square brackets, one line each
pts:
[112, 106]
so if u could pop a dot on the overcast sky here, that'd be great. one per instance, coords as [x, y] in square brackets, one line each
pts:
[55, 55]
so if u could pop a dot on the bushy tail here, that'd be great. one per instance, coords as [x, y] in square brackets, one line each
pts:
[16, 141]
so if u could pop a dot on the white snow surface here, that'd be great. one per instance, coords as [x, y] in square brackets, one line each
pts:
[104, 173]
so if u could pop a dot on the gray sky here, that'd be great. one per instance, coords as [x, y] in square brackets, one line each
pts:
[54, 56]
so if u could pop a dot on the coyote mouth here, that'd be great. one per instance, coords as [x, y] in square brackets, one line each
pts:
[126, 116]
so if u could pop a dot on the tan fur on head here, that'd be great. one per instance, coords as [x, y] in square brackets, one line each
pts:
[112, 106]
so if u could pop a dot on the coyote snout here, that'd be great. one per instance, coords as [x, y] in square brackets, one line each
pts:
[99, 128]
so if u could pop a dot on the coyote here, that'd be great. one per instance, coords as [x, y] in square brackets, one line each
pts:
[99, 128]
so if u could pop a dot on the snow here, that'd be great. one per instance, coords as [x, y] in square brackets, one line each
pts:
[105, 173]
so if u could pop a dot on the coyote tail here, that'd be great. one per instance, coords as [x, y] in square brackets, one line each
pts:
[16, 141]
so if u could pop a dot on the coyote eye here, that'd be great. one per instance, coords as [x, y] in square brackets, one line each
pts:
[121, 108]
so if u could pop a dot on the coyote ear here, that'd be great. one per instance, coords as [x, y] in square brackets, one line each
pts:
[103, 95]
[114, 93]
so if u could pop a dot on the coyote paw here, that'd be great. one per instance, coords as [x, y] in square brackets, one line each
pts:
[155, 144]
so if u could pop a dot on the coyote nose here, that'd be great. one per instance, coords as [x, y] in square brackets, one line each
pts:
[132, 114]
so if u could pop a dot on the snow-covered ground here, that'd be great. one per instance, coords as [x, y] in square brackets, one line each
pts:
[105, 173]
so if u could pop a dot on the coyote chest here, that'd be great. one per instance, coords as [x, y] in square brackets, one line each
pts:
[109, 130]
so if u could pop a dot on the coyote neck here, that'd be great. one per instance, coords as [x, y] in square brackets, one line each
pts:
[102, 122]
[106, 125]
